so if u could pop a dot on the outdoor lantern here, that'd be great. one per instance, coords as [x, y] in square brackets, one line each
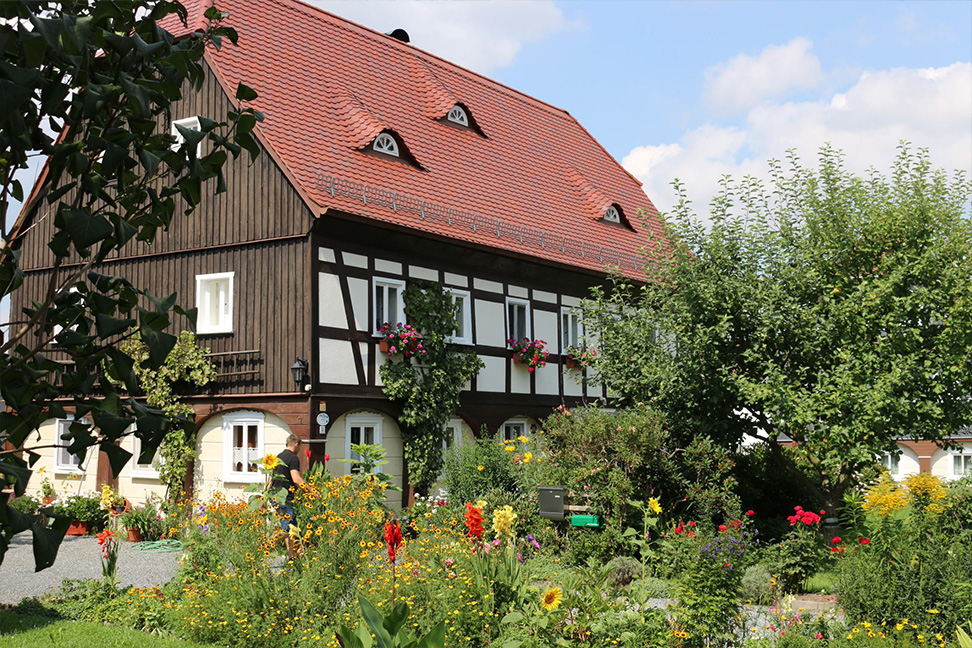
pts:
[299, 371]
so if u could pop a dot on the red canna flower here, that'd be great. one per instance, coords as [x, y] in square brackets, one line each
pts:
[307, 453]
[327, 458]
[393, 538]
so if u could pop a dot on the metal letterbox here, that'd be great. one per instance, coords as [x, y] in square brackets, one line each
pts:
[551, 501]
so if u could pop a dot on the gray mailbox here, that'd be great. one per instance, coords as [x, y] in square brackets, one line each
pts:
[551, 501]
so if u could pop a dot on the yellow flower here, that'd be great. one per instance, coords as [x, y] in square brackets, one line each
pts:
[509, 448]
[270, 462]
[522, 439]
[503, 520]
[654, 505]
[293, 532]
[885, 497]
[551, 598]
[41, 469]
[481, 505]
[527, 457]
[480, 468]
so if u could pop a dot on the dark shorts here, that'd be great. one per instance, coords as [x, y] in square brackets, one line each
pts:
[287, 514]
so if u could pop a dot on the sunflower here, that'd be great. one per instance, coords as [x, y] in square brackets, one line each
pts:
[654, 506]
[551, 598]
[270, 462]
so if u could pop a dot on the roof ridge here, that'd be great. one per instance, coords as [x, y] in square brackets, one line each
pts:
[345, 23]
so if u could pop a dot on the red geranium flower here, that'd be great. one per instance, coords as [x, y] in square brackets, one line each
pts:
[864, 541]
[836, 540]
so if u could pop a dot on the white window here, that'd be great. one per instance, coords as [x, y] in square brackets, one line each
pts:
[891, 462]
[148, 469]
[64, 461]
[612, 215]
[513, 429]
[361, 428]
[389, 302]
[458, 115]
[453, 435]
[242, 447]
[517, 318]
[214, 301]
[386, 144]
[961, 464]
[190, 123]
[571, 329]
[463, 302]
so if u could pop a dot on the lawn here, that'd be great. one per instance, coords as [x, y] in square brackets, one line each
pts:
[18, 631]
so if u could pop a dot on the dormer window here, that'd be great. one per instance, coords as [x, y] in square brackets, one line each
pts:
[386, 144]
[458, 116]
[612, 215]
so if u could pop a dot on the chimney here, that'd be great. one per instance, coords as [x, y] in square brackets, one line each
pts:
[400, 34]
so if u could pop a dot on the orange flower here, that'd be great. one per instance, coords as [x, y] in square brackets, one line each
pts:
[474, 521]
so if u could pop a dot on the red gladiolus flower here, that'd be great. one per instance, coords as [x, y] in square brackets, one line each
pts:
[393, 538]
[474, 521]
[307, 453]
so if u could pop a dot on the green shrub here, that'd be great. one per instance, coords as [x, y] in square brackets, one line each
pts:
[24, 504]
[757, 586]
[471, 471]
[624, 569]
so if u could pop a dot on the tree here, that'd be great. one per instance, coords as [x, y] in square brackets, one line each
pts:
[428, 393]
[90, 85]
[834, 309]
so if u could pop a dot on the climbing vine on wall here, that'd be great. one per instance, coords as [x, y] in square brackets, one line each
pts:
[186, 363]
[428, 388]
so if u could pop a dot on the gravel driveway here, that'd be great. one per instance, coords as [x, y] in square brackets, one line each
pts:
[79, 557]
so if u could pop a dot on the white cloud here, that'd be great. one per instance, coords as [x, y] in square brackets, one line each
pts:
[928, 107]
[482, 36]
[744, 81]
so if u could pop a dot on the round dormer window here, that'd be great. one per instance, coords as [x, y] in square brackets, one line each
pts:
[612, 215]
[386, 144]
[458, 116]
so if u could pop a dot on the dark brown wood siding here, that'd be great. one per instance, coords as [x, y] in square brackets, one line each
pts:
[259, 203]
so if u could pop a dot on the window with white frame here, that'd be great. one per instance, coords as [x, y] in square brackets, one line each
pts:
[513, 429]
[65, 461]
[361, 428]
[190, 123]
[453, 435]
[891, 461]
[148, 469]
[571, 329]
[386, 144]
[612, 215]
[389, 303]
[463, 302]
[242, 446]
[517, 318]
[214, 302]
[458, 116]
[961, 463]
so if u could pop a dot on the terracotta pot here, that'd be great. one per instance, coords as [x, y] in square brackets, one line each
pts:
[48, 500]
[571, 363]
[118, 510]
[516, 360]
[383, 346]
[134, 534]
[79, 528]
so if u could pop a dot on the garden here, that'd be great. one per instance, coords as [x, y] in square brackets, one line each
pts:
[676, 559]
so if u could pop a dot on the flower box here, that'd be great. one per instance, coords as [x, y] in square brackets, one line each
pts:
[571, 363]
[79, 528]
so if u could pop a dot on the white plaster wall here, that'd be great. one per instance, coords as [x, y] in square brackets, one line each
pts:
[520, 378]
[572, 383]
[337, 362]
[391, 267]
[331, 301]
[490, 323]
[360, 291]
[545, 328]
[137, 489]
[907, 463]
[355, 260]
[942, 464]
[65, 483]
[547, 380]
[519, 291]
[487, 285]
[456, 280]
[492, 377]
[210, 451]
[391, 441]
[418, 272]
[326, 255]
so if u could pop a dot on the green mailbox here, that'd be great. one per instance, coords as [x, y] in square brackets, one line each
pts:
[590, 521]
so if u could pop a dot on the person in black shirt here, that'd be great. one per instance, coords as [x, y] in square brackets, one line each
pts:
[287, 475]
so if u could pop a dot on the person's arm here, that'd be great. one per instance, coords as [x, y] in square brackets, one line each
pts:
[295, 475]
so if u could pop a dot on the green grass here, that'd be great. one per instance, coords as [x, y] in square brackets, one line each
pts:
[820, 583]
[20, 631]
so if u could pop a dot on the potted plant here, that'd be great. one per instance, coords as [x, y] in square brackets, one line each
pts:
[134, 520]
[579, 357]
[531, 353]
[400, 339]
[112, 501]
[48, 494]
[85, 511]
[24, 504]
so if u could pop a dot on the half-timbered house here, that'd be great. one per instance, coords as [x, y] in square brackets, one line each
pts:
[381, 165]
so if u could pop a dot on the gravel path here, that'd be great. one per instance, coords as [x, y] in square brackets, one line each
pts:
[79, 557]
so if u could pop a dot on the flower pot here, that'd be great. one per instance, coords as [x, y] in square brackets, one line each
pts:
[118, 510]
[48, 501]
[383, 346]
[571, 363]
[134, 534]
[79, 528]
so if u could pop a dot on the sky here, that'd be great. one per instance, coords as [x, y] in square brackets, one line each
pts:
[694, 90]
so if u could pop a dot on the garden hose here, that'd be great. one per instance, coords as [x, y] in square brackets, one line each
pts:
[170, 546]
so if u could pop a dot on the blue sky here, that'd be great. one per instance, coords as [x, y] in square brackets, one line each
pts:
[698, 89]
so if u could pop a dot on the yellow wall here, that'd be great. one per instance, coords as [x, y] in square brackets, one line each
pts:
[137, 489]
[391, 441]
[66, 483]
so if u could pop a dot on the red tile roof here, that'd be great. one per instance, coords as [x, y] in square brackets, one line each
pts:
[534, 183]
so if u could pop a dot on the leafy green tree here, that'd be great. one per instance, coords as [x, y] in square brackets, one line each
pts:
[428, 390]
[89, 85]
[831, 308]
